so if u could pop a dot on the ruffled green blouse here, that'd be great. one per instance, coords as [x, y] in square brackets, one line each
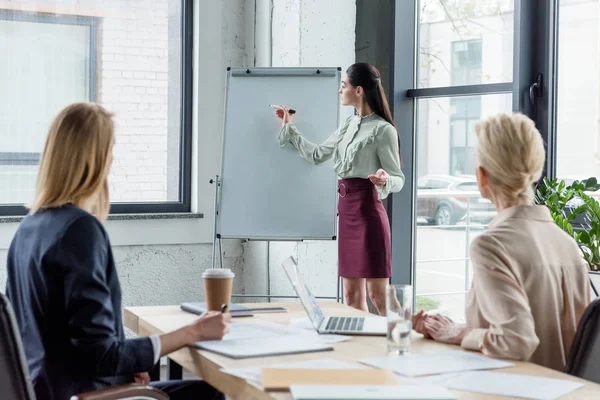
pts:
[359, 147]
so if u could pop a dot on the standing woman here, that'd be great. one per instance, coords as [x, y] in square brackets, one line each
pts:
[366, 157]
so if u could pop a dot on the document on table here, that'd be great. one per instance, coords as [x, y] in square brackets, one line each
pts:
[302, 323]
[261, 339]
[524, 386]
[254, 373]
[258, 330]
[413, 365]
[374, 392]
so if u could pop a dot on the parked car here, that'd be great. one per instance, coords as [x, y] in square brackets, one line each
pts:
[446, 200]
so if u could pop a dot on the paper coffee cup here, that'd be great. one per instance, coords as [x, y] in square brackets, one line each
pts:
[218, 283]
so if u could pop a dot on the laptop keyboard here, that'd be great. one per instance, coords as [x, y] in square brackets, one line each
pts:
[345, 324]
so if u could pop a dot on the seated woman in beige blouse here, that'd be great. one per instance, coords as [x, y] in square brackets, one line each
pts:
[530, 284]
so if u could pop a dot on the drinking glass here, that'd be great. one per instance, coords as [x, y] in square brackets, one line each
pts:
[398, 306]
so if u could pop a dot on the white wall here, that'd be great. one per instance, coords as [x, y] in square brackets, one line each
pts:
[305, 33]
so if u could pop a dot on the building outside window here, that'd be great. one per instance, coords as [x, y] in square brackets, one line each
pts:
[464, 111]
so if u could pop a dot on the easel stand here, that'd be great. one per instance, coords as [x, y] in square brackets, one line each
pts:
[217, 241]
[216, 237]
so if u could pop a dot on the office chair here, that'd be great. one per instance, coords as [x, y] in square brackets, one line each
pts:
[583, 360]
[15, 381]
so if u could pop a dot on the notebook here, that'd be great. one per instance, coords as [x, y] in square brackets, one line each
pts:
[235, 310]
[262, 339]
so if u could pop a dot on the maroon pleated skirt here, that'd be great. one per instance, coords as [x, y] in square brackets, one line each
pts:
[364, 248]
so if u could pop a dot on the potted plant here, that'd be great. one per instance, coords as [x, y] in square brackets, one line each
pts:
[576, 212]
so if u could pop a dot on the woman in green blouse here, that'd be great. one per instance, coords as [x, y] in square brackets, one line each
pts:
[366, 157]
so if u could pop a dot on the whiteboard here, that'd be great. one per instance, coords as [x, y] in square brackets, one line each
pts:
[268, 192]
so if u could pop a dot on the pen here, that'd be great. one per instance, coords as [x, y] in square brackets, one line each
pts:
[291, 111]
[223, 308]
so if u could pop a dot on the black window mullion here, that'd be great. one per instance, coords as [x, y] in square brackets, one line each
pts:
[536, 23]
[464, 90]
[401, 206]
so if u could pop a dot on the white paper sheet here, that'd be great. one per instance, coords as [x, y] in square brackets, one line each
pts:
[302, 323]
[413, 365]
[524, 386]
[262, 339]
[376, 392]
[258, 330]
[270, 346]
[254, 373]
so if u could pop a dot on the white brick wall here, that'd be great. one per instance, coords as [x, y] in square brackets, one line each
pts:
[132, 80]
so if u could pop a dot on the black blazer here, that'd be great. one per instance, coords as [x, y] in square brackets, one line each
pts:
[65, 291]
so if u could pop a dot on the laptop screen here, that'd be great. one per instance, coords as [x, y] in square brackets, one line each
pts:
[290, 266]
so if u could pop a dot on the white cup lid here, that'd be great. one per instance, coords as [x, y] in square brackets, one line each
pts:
[218, 273]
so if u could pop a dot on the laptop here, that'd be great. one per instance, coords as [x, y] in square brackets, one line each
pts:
[374, 326]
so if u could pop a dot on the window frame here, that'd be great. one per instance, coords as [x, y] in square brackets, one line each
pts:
[535, 51]
[186, 111]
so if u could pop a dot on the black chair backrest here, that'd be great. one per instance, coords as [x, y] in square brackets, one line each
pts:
[584, 356]
[15, 382]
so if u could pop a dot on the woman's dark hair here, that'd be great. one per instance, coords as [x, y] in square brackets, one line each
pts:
[369, 78]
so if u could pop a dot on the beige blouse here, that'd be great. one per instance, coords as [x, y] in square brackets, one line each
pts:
[359, 147]
[530, 287]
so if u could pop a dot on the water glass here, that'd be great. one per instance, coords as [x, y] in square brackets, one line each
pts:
[398, 306]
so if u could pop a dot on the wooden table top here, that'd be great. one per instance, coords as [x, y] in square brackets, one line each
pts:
[147, 321]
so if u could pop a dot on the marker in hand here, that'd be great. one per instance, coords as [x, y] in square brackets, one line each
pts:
[291, 111]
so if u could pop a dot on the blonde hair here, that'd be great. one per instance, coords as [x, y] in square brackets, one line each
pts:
[511, 151]
[75, 163]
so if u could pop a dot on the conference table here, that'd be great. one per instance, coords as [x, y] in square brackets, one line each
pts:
[147, 321]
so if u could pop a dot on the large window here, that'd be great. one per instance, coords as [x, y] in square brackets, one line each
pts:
[463, 72]
[578, 111]
[134, 59]
[470, 63]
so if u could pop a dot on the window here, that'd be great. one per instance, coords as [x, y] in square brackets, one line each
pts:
[465, 113]
[466, 62]
[462, 72]
[578, 94]
[135, 60]
[458, 37]
[49, 60]
[552, 70]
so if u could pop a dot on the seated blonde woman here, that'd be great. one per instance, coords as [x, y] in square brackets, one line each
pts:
[530, 284]
[62, 278]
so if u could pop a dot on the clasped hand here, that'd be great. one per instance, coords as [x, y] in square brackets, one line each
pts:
[438, 327]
